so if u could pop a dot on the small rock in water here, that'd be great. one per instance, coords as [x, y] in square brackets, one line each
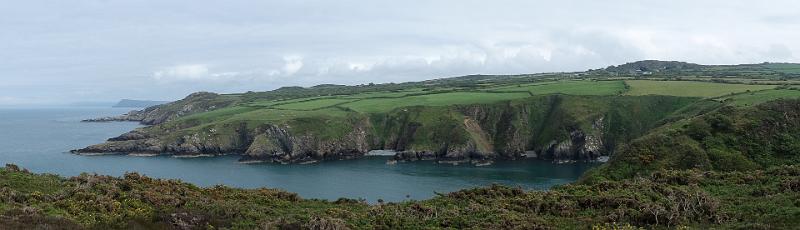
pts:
[381, 153]
[603, 159]
[142, 154]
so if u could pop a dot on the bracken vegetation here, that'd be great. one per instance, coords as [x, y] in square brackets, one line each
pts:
[762, 199]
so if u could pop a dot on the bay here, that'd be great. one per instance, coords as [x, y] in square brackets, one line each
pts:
[39, 139]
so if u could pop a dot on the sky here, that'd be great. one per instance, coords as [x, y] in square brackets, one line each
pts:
[60, 52]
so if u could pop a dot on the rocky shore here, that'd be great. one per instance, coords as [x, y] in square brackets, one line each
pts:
[274, 144]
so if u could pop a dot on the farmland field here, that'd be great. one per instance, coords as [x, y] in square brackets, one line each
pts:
[573, 87]
[441, 99]
[393, 94]
[784, 67]
[313, 104]
[689, 88]
[754, 98]
[384, 101]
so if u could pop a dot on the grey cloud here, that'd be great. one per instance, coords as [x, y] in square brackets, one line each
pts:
[57, 51]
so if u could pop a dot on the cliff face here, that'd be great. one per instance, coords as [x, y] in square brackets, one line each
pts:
[278, 144]
[554, 127]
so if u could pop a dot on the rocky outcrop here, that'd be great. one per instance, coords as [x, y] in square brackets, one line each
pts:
[278, 144]
[122, 145]
[194, 103]
[133, 115]
[267, 143]
[579, 146]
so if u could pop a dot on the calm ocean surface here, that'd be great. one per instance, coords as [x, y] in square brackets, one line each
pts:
[39, 139]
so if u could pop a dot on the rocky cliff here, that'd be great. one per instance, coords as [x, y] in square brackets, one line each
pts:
[556, 127]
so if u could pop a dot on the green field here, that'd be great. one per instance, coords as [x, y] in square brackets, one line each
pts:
[383, 102]
[754, 98]
[689, 88]
[441, 99]
[280, 115]
[379, 102]
[373, 102]
[390, 94]
[270, 103]
[572, 87]
[784, 67]
[216, 114]
[313, 104]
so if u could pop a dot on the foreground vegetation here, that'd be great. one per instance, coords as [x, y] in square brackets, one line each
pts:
[756, 199]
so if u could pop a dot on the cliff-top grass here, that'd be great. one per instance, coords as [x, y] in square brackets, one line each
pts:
[689, 88]
[386, 101]
[758, 97]
[313, 104]
[572, 87]
[441, 99]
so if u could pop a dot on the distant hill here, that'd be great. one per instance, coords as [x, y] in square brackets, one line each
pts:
[128, 103]
[657, 68]
[654, 66]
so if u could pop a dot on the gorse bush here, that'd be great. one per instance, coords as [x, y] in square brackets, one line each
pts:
[665, 198]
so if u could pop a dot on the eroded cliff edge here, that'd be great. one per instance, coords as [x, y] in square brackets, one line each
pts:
[554, 127]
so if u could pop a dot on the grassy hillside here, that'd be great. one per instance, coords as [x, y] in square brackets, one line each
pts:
[388, 101]
[727, 139]
[551, 116]
[758, 97]
[375, 105]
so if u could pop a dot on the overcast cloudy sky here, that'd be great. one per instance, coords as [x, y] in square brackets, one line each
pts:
[58, 52]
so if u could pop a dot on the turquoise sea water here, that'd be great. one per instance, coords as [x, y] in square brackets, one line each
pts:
[39, 139]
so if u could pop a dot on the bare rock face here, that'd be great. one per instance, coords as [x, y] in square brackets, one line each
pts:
[146, 145]
[187, 221]
[136, 134]
[278, 144]
[514, 132]
[133, 115]
[580, 146]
